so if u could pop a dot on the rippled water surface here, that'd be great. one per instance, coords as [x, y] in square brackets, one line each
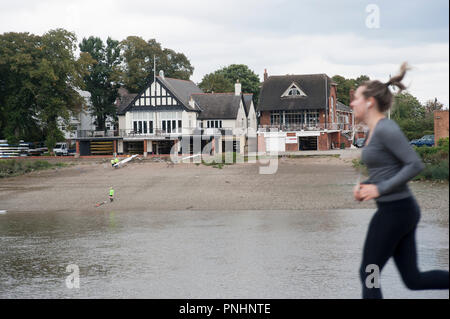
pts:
[200, 254]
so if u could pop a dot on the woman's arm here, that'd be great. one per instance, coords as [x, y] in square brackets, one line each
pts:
[396, 143]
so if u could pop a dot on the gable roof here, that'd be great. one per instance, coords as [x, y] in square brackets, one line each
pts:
[248, 98]
[315, 86]
[342, 107]
[124, 99]
[182, 89]
[217, 105]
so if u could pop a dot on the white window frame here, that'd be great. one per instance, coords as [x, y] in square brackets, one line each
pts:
[292, 87]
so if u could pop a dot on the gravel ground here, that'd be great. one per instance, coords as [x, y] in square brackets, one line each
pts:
[299, 184]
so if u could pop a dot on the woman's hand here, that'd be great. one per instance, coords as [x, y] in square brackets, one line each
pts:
[356, 193]
[368, 192]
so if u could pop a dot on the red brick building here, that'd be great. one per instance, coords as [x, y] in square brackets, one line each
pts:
[440, 125]
[301, 112]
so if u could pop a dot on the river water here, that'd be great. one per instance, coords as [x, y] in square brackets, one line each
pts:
[201, 254]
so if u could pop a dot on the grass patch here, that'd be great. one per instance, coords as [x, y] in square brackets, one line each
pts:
[359, 165]
[12, 167]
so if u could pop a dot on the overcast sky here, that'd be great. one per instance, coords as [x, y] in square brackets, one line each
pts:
[284, 36]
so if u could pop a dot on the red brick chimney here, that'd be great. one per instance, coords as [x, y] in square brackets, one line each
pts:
[265, 75]
[352, 95]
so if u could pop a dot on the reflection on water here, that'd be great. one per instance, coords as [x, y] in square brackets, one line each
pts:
[189, 254]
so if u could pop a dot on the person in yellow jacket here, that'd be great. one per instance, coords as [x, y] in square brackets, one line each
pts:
[111, 194]
[112, 163]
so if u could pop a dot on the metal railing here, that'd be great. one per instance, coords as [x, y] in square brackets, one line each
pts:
[306, 127]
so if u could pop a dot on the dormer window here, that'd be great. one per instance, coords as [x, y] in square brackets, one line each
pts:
[293, 91]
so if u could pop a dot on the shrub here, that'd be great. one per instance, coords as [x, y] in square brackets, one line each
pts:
[12, 167]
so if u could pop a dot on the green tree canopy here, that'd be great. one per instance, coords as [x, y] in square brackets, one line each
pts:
[138, 62]
[102, 80]
[220, 80]
[345, 85]
[214, 82]
[433, 105]
[39, 77]
[410, 115]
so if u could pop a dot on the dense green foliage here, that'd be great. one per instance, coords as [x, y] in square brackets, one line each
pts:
[345, 85]
[138, 62]
[103, 78]
[435, 159]
[223, 80]
[12, 167]
[39, 77]
[412, 117]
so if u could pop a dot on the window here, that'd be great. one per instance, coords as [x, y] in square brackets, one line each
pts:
[174, 125]
[164, 126]
[312, 117]
[332, 110]
[169, 127]
[293, 118]
[140, 127]
[179, 126]
[150, 127]
[274, 118]
[135, 126]
[294, 91]
[145, 127]
[214, 124]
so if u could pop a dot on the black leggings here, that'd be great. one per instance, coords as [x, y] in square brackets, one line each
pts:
[392, 233]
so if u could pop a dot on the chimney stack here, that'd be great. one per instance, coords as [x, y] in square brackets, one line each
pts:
[237, 88]
[265, 75]
[352, 95]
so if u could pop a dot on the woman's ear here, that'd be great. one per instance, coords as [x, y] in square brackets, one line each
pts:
[370, 102]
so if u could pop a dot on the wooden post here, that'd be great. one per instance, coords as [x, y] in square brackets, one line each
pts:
[145, 148]
[77, 143]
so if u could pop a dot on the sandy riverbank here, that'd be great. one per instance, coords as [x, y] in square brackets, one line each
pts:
[299, 183]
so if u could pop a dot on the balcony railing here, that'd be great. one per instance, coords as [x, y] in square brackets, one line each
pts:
[154, 133]
[305, 127]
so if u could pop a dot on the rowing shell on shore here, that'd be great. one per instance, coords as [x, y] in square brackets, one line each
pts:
[124, 161]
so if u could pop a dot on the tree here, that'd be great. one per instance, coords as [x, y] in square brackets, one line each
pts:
[102, 80]
[217, 83]
[345, 85]
[39, 79]
[220, 80]
[433, 105]
[138, 62]
[410, 115]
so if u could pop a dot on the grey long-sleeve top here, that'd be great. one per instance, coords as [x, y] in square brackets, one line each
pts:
[391, 161]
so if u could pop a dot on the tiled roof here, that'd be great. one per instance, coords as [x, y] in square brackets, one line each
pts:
[315, 86]
[218, 105]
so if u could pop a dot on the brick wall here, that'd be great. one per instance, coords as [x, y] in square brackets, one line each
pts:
[440, 125]
[291, 147]
[346, 141]
[261, 143]
[321, 116]
[323, 141]
[332, 94]
[265, 118]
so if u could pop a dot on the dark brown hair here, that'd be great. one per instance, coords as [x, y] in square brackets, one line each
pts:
[380, 91]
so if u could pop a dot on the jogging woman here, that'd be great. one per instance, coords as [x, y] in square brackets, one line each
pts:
[391, 163]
